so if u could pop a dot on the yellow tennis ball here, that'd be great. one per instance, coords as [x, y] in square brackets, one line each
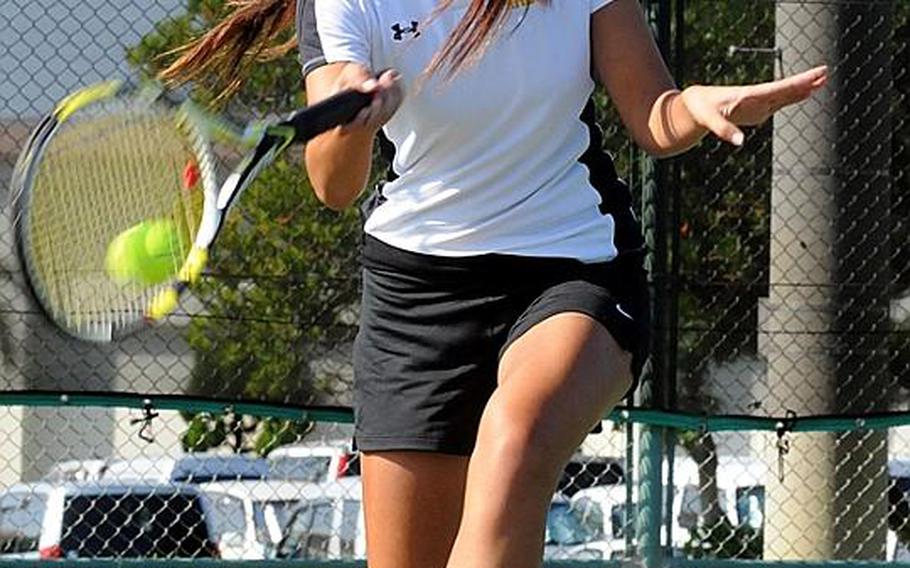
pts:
[148, 253]
[163, 251]
[125, 255]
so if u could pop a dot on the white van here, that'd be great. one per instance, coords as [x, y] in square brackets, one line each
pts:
[327, 527]
[91, 520]
[250, 516]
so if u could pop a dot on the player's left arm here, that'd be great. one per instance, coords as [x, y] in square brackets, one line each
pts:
[662, 119]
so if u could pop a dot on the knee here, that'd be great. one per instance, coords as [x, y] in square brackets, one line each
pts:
[522, 441]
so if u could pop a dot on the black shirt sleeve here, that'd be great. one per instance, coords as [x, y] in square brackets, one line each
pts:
[311, 54]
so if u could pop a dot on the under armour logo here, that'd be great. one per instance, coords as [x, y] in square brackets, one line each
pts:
[401, 31]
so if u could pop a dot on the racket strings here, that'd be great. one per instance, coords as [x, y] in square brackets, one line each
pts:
[100, 175]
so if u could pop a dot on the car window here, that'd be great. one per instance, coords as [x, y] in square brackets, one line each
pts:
[689, 508]
[750, 506]
[566, 526]
[902, 484]
[21, 516]
[260, 525]
[690, 511]
[298, 526]
[621, 521]
[314, 469]
[227, 513]
[282, 511]
[350, 520]
[591, 517]
[309, 532]
[167, 525]
[208, 469]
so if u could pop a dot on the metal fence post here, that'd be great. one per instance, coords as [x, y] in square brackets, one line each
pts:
[654, 392]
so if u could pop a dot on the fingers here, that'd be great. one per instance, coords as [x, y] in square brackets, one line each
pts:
[752, 105]
[818, 76]
[790, 90]
[808, 79]
[388, 93]
[724, 129]
[713, 108]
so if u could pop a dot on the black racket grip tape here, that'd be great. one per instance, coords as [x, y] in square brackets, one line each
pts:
[327, 114]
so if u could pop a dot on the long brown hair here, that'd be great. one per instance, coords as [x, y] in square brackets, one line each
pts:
[250, 32]
[224, 53]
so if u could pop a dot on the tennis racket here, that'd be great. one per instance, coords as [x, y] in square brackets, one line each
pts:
[110, 161]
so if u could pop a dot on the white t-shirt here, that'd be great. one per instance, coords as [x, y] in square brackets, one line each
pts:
[487, 162]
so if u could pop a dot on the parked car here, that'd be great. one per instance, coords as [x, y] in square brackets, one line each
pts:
[327, 527]
[92, 520]
[189, 468]
[250, 516]
[313, 463]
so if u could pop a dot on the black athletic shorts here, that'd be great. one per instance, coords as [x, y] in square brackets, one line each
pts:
[432, 330]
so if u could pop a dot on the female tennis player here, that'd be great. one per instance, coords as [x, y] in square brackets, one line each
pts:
[504, 301]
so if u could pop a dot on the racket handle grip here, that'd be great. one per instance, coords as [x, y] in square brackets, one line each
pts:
[327, 114]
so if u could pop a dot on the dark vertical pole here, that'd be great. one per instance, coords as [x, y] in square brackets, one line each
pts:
[862, 272]
[677, 40]
[653, 393]
[656, 202]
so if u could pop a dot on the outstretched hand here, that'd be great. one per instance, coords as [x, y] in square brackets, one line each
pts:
[722, 110]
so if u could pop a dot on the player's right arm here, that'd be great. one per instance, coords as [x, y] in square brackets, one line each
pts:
[339, 161]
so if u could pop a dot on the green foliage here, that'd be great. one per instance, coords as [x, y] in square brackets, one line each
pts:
[203, 432]
[156, 49]
[723, 540]
[283, 280]
[724, 196]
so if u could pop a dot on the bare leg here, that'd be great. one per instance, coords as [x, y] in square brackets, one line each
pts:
[412, 502]
[555, 383]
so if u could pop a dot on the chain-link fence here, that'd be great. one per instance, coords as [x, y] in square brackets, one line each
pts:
[788, 276]
[780, 294]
